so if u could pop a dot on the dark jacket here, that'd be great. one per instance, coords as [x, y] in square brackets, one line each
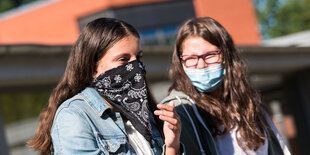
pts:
[197, 139]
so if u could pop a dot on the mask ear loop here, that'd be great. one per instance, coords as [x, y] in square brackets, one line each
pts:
[194, 127]
[199, 117]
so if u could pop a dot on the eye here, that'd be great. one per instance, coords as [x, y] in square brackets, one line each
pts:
[189, 57]
[123, 59]
[210, 54]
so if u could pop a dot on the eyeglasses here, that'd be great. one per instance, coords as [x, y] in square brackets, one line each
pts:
[209, 58]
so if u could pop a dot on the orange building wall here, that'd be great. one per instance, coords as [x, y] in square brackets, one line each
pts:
[56, 23]
[238, 18]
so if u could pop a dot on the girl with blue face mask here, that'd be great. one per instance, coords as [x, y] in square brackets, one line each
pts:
[220, 112]
[202, 63]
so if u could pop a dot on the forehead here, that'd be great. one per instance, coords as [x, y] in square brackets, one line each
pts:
[128, 44]
[196, 45]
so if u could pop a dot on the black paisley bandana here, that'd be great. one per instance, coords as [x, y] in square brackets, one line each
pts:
[124, 87]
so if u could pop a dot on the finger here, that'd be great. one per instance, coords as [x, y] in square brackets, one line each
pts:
[169, 107]
[165, 113]
[172, 127]
[171, 103]
[165, 107]
[170, 120]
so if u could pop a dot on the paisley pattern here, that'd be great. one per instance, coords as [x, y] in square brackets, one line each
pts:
[124, 87]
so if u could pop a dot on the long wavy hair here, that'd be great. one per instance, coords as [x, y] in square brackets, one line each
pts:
[96, 38]
[235, 103]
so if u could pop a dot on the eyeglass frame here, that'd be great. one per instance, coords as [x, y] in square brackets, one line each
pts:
[200, 56]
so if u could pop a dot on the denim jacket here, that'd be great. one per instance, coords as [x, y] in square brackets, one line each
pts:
[85, 124]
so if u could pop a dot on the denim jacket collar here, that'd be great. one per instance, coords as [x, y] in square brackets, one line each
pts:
[95, 101]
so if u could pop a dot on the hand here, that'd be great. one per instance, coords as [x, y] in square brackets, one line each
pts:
[172, 126]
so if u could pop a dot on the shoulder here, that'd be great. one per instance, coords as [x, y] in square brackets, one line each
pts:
[87, 102]
[69, 121]
[73, 119]
[71, 106]
[72, 130]
[77, 110]
[183, 105]
[70, 114]
[176, 97]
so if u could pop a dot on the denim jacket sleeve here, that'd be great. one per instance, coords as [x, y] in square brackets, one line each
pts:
[71, 134]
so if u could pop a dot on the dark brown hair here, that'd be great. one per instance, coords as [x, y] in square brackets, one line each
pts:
[96, 38]
[235, 103]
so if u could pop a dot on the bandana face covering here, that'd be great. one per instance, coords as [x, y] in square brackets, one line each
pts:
[124, 87]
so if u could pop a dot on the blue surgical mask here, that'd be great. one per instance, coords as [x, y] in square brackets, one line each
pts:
[206, 79]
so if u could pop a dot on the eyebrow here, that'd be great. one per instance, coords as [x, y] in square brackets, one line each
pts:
[120, 55]
[202, 54]
[126, 54]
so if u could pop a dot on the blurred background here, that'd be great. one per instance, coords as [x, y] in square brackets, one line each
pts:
[36, 37]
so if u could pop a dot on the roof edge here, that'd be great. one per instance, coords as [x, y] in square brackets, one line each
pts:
[25, 8]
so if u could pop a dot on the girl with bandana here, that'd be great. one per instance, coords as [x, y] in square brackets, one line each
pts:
[102, 105]
[221, 113]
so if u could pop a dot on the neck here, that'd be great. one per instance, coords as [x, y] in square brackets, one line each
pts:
[217, 92]
[112, 107]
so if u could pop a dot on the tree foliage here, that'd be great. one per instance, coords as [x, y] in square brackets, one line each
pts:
[265, 11]
[6, 5]
[293, 17]
[19, 106]
[281, 17]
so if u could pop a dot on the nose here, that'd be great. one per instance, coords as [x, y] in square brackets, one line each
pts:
[134, 57]
[201, 64]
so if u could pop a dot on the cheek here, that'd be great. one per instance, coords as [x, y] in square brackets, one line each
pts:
[221, 58]
[103, 67]
[99, 70]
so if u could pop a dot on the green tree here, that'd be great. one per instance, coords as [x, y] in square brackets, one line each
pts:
[23, 105]
[265, 11]
[6, 5]
[281, 17]
[293, 17]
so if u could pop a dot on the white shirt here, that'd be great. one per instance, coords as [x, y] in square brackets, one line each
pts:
[227, 144]
[137, 141]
